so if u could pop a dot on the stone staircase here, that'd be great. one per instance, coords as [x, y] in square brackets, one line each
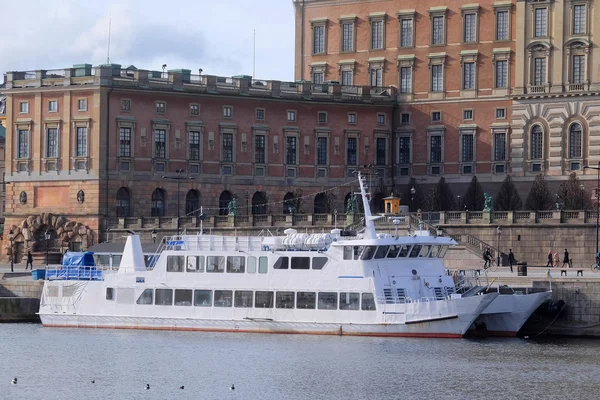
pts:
[4, 292]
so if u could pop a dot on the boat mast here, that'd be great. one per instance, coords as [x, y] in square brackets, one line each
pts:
[370, 233]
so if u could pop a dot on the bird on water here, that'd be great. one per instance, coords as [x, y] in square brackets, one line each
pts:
[147, 386]
[232, 387]
[181, 387]
[93, 381]
[14, 381]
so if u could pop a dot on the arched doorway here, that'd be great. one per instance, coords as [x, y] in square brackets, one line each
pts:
[259, 203]
[288, 203]
[224, 200]
[377, 204]
[158, 203]
[123, 202]
[320, 204]
[192, 203]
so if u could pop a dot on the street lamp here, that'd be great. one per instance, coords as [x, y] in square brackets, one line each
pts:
[458, 196]
[582, 187]
[11, 237]
[178, 178]
[597, 199]
[247, 196]
[47, 235]
[499, 232]
[557, 202]
[153, 235]
[412, 197]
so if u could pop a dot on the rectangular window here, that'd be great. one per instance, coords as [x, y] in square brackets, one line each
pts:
[319, 39]
[328, 301]
[163, 297]
[243, 298]
[24, 107]
[215, 264]
[405, 118]
[318, 78]
[300, 263]
[195, 264]
[322, 117]
[500, 113]
[263, 265]
[376, 77]
[251, 267]
[175, 263]
[347, 78]
[263, 299]
[52, 142]
[377, 35]
[575, 142]
[469, 75]
[537, 150]
[467, 147]
[223, 298]
[578, 69]
[125, 142]
[23, 143]
[161, 106]
[291, 116]
[404, 150]
[82, 105]
[194, 110]
[502, 25]
[160, 143]
[284, 300]
[291, 150]
[468, 115]
[539, 75]
[260, 114]
[579, 19]
[437, 78]
[53, 106]
[437, 30]
[352, 118]
[502, 73]
[470, 28]
[405, 80]
[81, 145]
[381, 151]
[435, 151]
[541, 22]
[236, 264]
[183, 297]
[306, 300]
[227, 147]
[322, 151]
[347, 36]
[406, 32]
[110, 293]
[227, 112]
[500, 146]
[436, 116]
[203, 298]
[195, 145]
[259, 149]
[349, 301]
[368, 302]
[351, 150]
[380, 119]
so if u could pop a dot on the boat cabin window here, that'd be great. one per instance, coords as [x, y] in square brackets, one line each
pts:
[263, 299]
[163, 297]
[404, 251]
[110, 293]
[215, 264]
[175, 263]
[349, 301]
[125, 295]
[203, 298]
[263, 265]
[393, 252]
[284, 300]
[300, 262]
[243, 298]
[381, 252]
[306, 300]
[348, 253]
[368, 252]
[251, 267]
[281, 263]
[434, 251]
[442, 252]
[195, 264]
[236, 264]
[183, 297]
[415, 251]
[328, 301]
[424, 251]
[319, 262]
[368, 302]
[146, 297]
[357, 250]
[223, 298]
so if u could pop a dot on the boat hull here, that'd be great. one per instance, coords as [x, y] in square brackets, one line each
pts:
[507, 314]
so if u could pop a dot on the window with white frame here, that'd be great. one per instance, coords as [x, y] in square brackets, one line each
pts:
[406, 32]
[468, 114]
[81, 142]
[405, 79]
[437, 30]
[82, 104]
[319, 39]
[23, 143]
[469, 75]
[539, 71]
[435, 148]
[52, 142]
[437, 78]
[575, 140]
[194, 110]
[499, 145]
[53, 106]
[467, 139]
[227, 111]
[24, 107]
[404, 150]
[259, 114]
[502, 27]
[470, 27]
[347, 77]
[579, 19]
[259, 149]
[500, 113]
[352, 118]
[124, 142]
[347, 36]
[537, 143]
[578, 75]
[160, 143]
[227, 149]
[291, 115]
[194, 145]
[501, 74]
[322, 117]
[318, 77]
[540, 22]
[161, 107]
[380, 119]
[377, 34]
[376, 76]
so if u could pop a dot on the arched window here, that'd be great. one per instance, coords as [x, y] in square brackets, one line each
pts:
[575, 140]
[259, 203]
[158, 203]
[288, 203]
[224, 200]
[537, 143]
[377, 203]
[320, 204]
[192, 203]
[123, 203]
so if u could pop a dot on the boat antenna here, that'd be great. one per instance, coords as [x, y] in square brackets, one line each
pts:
[371, 233]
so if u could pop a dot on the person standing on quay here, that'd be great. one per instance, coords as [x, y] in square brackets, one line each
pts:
[549, 264]
[29, 261]
[556, 259]
[566, 259]
[511, 259]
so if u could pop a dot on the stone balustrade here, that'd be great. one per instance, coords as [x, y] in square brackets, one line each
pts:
[512, 217]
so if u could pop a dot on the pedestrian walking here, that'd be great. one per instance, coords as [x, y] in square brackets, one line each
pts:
[29, 261]
[556, 259]
[549, 264]
[511, 259]
[486, 258]
[566, 259]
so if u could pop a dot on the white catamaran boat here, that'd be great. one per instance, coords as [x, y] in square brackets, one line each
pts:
[341, 283]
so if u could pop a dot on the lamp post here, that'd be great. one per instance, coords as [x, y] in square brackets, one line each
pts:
[11, 237]
[597, 199]
[458, 197]
[178, 178]
[499, 232]
[557, 201]
[247, 196]
[412, 197]
[582, 187]
[153, 235]
[47, 235]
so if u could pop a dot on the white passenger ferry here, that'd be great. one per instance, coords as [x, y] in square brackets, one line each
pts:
[339, 283]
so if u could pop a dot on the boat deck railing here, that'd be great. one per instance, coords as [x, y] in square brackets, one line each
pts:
[69, 273]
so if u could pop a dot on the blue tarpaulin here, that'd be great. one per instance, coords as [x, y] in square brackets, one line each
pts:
[76, 266]
[79, 259]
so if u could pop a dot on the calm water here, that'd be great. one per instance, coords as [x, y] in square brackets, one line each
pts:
[53, 363]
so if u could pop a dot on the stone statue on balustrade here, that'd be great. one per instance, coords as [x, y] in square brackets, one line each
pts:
[232, 207]
[489, 202]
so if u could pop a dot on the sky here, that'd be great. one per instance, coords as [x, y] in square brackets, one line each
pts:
[215, 35]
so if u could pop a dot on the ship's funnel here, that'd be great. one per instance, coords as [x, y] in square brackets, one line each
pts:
[133, 256]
